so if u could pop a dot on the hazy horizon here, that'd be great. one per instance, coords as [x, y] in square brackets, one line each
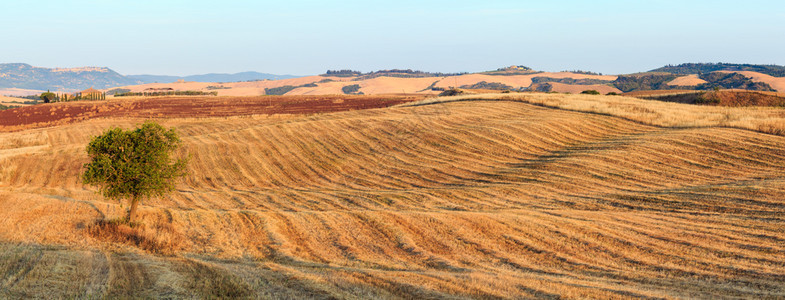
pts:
[183, 38]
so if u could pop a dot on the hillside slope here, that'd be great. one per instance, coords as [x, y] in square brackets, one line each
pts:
[456, 198]
[24, 76]
[211, 77]
[375, 85]
[699, 68]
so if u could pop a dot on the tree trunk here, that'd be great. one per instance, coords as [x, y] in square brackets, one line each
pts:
[132, 210]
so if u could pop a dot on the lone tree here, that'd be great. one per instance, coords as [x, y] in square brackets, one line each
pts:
[134, 164]
[48, 97]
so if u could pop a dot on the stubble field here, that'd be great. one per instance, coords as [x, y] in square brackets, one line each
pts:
[492, 196]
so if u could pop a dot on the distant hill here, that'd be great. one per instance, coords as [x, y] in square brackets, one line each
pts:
[23, 79]
[661, 80]
[700, 68]
[25, 76]
[212, 77]
[399, 73]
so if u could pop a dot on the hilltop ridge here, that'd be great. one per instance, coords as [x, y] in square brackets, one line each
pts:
[700, 68]
[687, 76]
[25, 76]
[28, 77]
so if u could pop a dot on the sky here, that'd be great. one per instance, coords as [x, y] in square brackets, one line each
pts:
[301, 37]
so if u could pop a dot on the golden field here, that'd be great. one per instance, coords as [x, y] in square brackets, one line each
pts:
[327, 85]
[384, 85]
[480, 196]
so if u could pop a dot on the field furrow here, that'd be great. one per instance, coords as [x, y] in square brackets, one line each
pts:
[467, 199]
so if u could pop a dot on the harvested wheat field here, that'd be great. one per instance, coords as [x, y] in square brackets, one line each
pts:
[687, 80]
[12, 101]
[483, 196]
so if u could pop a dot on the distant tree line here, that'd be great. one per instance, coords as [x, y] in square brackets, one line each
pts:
[583, 72]
[342, 73]
[117, 91]
[29, 97]
[49, 97]
[700, 68]
[400, 73]
[515, 68]
[487, 86]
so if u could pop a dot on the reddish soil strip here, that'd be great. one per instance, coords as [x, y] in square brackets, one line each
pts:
[177, 107]
[657, 92]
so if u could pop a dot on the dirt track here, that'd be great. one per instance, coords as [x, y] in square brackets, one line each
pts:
[178, 107]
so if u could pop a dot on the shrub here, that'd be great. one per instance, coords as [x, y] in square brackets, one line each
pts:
[351, 89]
[590, 92]
[451, 92]
[279, 90]
[117, 91]
[3, 107]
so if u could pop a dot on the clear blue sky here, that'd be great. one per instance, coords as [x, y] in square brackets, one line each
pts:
[308, 37]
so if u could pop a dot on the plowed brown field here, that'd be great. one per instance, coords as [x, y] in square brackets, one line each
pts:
[451, 198]
[180, 107]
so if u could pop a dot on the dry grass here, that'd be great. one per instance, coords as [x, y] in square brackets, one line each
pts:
[12, 101]
[453, 198]
[763, 119]
[688, 80]
[159, 238]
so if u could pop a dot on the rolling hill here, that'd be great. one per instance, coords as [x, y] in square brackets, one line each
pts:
[211, 77]
[22, 79]
[700, 68]
[377, 83]
[24, 76]
[686, 76]
[483, 196]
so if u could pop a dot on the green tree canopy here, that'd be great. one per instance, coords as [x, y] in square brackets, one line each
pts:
[48, 97]
[134, 164]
